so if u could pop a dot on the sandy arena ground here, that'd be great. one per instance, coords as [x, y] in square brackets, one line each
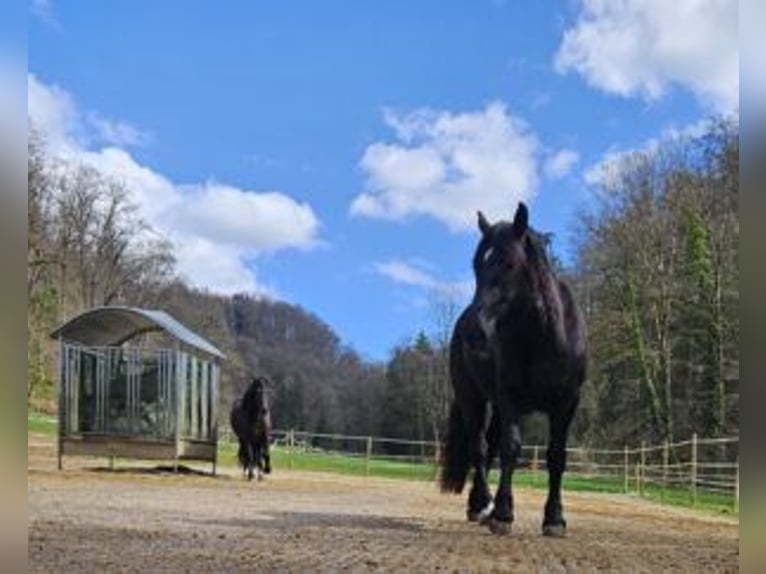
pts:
[89, 520]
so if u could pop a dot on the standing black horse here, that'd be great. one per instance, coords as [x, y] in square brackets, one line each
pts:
[251, 422]
[519, 347]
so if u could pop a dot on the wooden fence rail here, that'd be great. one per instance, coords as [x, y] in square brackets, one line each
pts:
[697, 466]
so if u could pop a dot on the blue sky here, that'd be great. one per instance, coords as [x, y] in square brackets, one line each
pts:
[333, 154]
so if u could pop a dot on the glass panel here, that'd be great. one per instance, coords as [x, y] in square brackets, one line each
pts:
[190, 398]
[210, 398]
[86, 395]
[69, 388]
[165, 406]
[148, 395]
[118, 420]
[201, 399]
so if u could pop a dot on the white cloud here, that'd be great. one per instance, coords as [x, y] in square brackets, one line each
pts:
[413, 274]
[446, 166]
[560, 163]
[261, 222]
[67, 129]
[216, 229]
[605, 172]
[43, 9]
[642, 47]
[54, 112]
[119, 133]
[219, 268]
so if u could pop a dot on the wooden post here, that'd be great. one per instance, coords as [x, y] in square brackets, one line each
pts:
[643, 468]
[626, 468]
[694, 470]
[62, 412]
[665, 462]
[535, 463]
[736, 490]
[368, 456]
[290, 444]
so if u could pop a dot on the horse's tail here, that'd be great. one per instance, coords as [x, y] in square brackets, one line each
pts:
[455, 460]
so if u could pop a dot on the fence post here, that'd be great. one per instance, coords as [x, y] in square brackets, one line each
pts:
[535, 463]
[290, 444]
[643, 468]
[626, 469]
[694, 469]
[367, 457]
[736, 490]
[665, 462]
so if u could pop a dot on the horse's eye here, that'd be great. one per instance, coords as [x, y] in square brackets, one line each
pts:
[488, 254]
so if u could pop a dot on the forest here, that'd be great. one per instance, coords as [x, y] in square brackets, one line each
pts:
[656, 272]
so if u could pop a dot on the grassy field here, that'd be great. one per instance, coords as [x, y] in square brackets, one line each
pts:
[404, 469]
[41, 424]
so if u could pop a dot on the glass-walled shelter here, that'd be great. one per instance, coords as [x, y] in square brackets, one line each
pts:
[136, 383]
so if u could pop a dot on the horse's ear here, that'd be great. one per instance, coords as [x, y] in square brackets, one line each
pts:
[521, 219]
[483, 223]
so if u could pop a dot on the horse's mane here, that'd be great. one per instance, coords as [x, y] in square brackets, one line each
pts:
[544, 280]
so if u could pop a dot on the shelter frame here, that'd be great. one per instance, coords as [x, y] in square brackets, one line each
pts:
[121, 397]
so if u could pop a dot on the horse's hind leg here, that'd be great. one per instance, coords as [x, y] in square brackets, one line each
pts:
[553, 520]
[266, 459]
[242, 456]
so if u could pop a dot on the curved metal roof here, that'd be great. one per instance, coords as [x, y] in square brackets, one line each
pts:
[113, 325]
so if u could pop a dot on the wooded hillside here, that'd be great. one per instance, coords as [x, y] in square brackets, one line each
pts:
[656, 273]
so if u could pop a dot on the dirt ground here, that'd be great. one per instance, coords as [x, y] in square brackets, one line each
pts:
[94, 520]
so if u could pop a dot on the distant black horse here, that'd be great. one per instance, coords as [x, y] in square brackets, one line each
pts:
[519, 347]
[251, 422]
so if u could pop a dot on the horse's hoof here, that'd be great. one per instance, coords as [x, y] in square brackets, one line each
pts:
[486, 514]
[481, 516]
[555, 530]
[499, 527]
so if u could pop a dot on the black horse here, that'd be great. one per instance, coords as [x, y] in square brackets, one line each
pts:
[519, 347]
[251, 422]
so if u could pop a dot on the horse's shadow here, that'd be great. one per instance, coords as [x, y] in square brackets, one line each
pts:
[282, 520]
[158, 470]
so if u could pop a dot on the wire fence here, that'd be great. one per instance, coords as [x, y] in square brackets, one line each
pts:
[694, 471]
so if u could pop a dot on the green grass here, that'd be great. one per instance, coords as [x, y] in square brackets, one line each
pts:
[41, 424]
[336, 463]
[401, 469]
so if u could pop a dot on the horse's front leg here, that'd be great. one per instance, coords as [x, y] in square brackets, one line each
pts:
[510, 448]
[479, 499]
[553, 520]
[258, 460]
[250, 460]
[266, 457]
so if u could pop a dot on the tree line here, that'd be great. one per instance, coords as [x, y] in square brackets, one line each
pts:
[656, 272]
